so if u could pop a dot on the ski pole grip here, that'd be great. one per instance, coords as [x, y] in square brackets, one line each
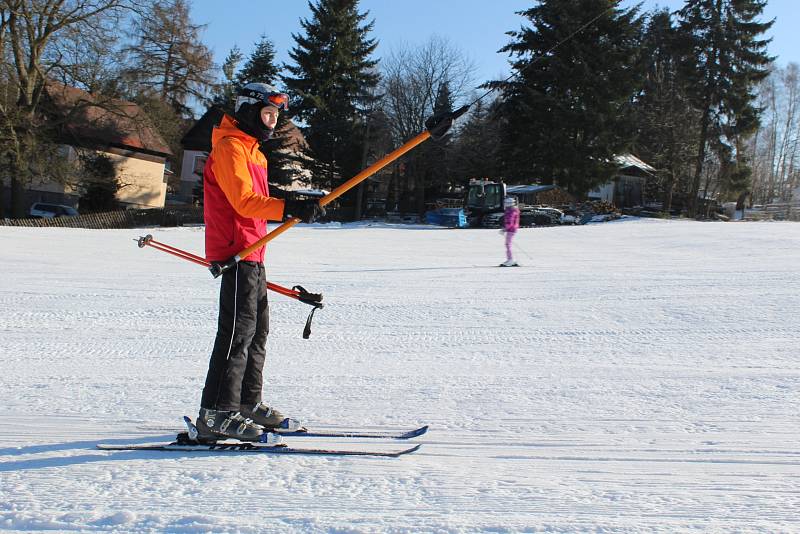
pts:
[314, 299]
[217, 268]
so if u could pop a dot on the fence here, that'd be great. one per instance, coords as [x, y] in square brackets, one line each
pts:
[131, 218]
[777, 211]
[784, 211]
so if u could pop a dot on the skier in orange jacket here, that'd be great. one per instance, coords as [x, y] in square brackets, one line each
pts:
[237, 207]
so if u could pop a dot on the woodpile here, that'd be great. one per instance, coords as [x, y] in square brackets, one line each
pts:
[555, 197]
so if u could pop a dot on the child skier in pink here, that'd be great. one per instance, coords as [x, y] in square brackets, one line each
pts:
[510, 226]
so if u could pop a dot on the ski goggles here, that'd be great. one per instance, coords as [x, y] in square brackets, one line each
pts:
[279, 100]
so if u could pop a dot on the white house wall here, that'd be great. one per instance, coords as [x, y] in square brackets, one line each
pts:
[143, 181]
[191, 172]
[604, 192]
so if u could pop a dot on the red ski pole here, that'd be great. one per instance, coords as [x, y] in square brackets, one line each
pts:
[302, 295]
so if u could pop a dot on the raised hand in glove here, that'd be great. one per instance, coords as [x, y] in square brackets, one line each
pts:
[307, 210]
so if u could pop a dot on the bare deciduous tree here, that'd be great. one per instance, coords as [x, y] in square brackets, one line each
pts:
[412, 80]
[775, 148]
[28, 32]
[168, 59]
[89, 62]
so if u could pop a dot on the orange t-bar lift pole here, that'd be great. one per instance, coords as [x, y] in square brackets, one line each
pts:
[436, 127]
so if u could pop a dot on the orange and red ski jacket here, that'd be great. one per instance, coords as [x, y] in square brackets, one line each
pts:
[237, 204]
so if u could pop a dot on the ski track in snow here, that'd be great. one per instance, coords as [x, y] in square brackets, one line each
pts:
[636, 376]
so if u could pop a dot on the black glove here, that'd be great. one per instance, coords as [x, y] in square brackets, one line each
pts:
[307, 210]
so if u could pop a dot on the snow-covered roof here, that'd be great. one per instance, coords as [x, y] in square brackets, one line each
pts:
[629, 160]
[528, 189]
[312, 192]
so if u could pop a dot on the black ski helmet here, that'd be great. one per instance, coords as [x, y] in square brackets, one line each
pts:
[250, 100]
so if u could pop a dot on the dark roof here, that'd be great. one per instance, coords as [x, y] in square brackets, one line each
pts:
[96, 120]
[294, 140]
[199, 136]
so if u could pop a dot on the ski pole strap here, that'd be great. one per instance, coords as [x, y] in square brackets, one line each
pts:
[313, 299]
[307, 329]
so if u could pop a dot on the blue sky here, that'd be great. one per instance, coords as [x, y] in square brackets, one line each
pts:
[476, 27]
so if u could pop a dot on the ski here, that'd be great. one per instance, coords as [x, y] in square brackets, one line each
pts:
[356, 433]
[335, 433]
[270, 443]
[246, 446]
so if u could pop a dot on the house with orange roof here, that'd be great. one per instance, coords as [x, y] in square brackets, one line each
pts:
[117, 129]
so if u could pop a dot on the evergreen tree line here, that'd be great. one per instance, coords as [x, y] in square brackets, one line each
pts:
[693, 93]
[677, 89]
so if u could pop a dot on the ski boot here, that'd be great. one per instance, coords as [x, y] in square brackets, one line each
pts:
[213, 425]
[270, 418]
[509, 263]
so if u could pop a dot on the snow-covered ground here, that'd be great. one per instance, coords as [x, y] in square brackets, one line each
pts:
[634, 376]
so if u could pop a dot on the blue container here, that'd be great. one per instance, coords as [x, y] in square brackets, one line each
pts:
[433, 217]
[452, 217]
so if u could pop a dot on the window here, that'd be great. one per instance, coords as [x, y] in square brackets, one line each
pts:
[485, 195]
[199, 164]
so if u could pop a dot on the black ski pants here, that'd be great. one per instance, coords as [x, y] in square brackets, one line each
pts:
[237, 361]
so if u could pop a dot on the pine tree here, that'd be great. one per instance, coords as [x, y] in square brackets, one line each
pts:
[725, 58]
[260, 66]
[477, 149]
[565, 113]
[331, 83]
[437, 154]
[665, 119]
[225, 93]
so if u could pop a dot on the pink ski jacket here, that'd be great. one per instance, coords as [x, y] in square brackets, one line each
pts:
[511, 219]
